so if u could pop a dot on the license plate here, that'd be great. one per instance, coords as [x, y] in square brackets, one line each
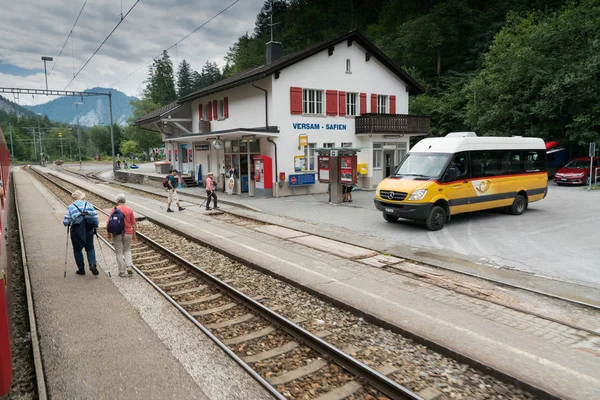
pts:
[563, 179]
[390, 210]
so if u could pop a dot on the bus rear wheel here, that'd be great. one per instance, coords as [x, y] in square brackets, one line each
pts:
[519, 205]
[436, 218]
[390, 218]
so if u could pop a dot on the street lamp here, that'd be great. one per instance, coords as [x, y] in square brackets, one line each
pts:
[44, 59]
[77, 104]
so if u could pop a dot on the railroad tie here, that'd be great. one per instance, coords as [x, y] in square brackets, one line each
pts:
[201, 299]
[215, 310]
[297, 373]
[162, 268]
[139, 253]
[146, 265]
[186, 291]
[277, 351]
[175, 283]
[174, 274]
[352, 387]
[142, 259]
[250, 336]
[231, 322]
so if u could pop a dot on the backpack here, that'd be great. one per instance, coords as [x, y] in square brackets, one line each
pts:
[166, 182]
[84, 218]
[116, 222]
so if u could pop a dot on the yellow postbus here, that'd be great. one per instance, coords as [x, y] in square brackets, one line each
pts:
[462, 172]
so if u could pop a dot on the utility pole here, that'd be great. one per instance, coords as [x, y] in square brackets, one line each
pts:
[40, 133]
[62, 153]
[44, 59]
[12, 150]
[77, 104]
[112, 135]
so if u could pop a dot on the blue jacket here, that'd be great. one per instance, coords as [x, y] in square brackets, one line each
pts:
[73, 213]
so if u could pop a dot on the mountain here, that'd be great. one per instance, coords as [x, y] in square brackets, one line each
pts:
[11, 108]
[93, 111]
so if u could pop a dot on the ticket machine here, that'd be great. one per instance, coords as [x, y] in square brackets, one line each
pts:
[263, 176]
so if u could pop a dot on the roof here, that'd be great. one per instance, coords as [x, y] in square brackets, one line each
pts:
[156, 114]
[456, 144]
[263, 71]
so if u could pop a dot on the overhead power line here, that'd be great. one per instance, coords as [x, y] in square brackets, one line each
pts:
[102, 44]
[68, 36]
[181, 40]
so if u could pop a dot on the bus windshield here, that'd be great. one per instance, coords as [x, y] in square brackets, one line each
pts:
[422, 165]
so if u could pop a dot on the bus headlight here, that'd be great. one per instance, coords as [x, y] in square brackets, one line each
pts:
[418, 194]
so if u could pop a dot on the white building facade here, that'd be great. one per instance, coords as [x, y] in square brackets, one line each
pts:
[341, 94]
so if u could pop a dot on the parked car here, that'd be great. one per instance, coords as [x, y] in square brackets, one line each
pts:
[577, 172]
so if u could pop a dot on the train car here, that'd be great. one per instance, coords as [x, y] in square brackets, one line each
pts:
[5, 263]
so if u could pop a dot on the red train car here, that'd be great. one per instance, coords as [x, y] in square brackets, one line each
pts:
[5, 263]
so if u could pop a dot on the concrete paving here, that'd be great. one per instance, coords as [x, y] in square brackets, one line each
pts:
[535, 351]
[101, 340]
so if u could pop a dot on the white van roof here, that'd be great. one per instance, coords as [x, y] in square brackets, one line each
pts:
[456, 144]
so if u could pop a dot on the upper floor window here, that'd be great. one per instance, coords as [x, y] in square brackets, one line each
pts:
[382, 104]
[351, 102]
[221, 109]
[312, 101]
[328, 145]
[348, 66]
[205, 112]
[347, 144]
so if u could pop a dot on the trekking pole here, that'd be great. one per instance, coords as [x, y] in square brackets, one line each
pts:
[67, 250]
[100, 247]
[203, 202]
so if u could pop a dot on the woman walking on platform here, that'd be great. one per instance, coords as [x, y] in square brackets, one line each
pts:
[210, 192]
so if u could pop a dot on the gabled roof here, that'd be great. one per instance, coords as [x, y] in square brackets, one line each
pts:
[159, 112]
[263, 71]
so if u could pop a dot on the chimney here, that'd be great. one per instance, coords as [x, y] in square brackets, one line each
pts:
[273, 52]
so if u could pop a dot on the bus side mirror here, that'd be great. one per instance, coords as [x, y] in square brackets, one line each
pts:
[452, 174]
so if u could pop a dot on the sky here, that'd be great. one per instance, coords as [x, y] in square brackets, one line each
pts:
[30, 29]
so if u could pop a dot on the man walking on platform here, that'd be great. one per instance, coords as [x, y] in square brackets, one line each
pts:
[172, 189]
[82, 220]
[210, 192]
[121, 229]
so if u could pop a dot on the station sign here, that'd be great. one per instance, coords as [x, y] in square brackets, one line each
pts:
[301, 179]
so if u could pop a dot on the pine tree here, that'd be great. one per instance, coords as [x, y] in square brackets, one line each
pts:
[185, 85]
[161, 84]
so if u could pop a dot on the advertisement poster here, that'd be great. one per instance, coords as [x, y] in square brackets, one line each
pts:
[299, 163]
[324, 168]
[190, 152]
[346, 170]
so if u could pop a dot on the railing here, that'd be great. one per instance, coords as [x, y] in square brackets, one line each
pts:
[392, 123]
[204, 126]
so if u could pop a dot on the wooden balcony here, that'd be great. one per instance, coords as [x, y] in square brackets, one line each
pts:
[204, 126]
[392, 123]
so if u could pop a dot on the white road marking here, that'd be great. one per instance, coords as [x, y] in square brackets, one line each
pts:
[457, 247]
[474, 240]
[436, 243]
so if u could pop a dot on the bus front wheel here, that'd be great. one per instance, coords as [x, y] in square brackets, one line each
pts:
[519, 205]
[436, 218]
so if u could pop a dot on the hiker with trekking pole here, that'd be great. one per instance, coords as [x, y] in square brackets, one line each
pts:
[81, 221]
[170, 182]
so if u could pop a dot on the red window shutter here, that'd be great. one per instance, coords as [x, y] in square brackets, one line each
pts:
[209, 109]
[342, 104]
[392, 104]
[226, 107]
[215, 110]
[200, 112]
[363, 103]
[295, 100]
[373, 103]
[331, 99]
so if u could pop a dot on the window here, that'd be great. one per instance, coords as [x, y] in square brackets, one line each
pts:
[205, 112]
[328, 145]
[309, 154]
[461, 165]
[382, 104]
[349, 145]
[377, 155]
[221, 109]
[351, 101]
[312, 101]
[506, 162]
[348, 66]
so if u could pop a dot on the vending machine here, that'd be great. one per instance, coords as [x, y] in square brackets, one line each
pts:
[263, 176]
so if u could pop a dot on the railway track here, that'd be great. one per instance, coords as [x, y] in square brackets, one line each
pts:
[275, 348]
[234, 319]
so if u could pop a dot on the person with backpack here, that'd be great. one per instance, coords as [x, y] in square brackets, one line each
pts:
[170, 182]
[121, 229]
[82, 220]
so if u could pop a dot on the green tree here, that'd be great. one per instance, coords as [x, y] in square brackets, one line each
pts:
[185, 84]
[160, 86]
[128, 147]
[540, 76]
[146, 139]
[100, 139]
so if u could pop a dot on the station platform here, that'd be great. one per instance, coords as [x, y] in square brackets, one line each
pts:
[550, 356]
[104, 337]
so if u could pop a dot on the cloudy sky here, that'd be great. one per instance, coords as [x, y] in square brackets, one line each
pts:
[30, 29]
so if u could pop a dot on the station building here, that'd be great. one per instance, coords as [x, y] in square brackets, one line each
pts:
[267, 122]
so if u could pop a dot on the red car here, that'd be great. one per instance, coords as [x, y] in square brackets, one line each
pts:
[577, 172]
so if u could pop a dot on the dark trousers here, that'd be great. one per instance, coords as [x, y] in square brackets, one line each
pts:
[89, 250]
[211, 194]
